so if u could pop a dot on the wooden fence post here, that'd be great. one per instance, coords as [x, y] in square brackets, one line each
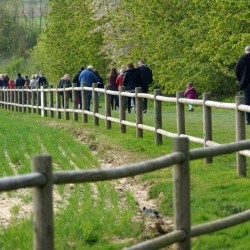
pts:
[58, 104]
[29, 99]
[23, 100]
[74, 102]
[180, 113]
[95, 104]
[51, 101]
[5, 98]
[240, 135]
[65, 102]
[19, 98]
[39, 97]
[158, 117]
[107, 100]
[122, 109]
[43, 206]
[207, 124]
[45, 103]
[182, 219]
[84, 94]
[138, 101]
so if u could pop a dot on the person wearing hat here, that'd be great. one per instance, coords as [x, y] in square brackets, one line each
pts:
[243, 76]
[87, 78]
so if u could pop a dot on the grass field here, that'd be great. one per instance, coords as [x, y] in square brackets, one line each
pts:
[84, 222]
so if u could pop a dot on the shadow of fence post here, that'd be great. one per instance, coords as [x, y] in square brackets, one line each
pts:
[240, 135]
[43, 228]
[182, 193]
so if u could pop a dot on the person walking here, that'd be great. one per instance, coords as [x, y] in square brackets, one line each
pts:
[190, 93]
[242, 72]
[146, 78]
[112, 83]
[77, 82]
[131, 80]
[19, 82]
[65, 82]
[87, 78]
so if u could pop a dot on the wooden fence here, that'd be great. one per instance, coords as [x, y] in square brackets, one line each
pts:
[42, 101]
[42, 180]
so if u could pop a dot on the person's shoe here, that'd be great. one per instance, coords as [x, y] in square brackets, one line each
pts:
[144, 111]
[248, 123]
[192, 109]
[129, 111]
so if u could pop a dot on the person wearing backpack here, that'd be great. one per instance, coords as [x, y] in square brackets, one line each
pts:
[146, 78]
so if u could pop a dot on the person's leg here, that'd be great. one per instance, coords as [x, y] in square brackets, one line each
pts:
[145, 100]
[129, 104]
[89, 97]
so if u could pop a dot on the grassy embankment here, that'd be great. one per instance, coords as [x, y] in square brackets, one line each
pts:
[90, 216]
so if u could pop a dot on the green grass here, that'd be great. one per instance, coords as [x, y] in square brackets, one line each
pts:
[216, 190]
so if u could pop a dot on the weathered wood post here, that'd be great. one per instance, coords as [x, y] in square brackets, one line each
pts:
[182, 213]
[207, 124]
[16, 99]
[84, 94]
[74, 102]
[29, 100]
[5, 98]
[138, 101]
[240, 135]
[39, 98]
[33, 110]
[58, 104]
[180, 113]
[45, 102]
[122, 109]
[19, 97]
[158, 117]
[95, 104]
[66, 102]
[43, 206]
[23, 100]
[51, 101]
[107, 100]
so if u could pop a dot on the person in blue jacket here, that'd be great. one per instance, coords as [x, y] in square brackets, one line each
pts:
[87, 78]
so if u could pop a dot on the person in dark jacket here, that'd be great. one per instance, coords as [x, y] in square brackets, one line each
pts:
[77, 82]
[131, 80]
[19, 82]
[243, 76]
[112, 83]
[146, 78]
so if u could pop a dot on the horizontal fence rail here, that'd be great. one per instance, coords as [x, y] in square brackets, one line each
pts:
[42, 180]
[48, 102]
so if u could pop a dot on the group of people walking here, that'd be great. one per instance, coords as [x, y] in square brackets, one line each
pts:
[36, 81]
[129, 77]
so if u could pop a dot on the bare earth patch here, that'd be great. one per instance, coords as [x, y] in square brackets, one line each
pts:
[108, 157]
